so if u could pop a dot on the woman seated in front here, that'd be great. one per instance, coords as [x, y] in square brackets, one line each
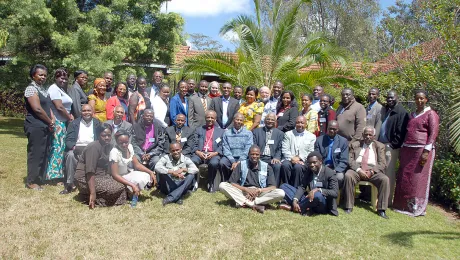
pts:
[92, 178]
[125, 167]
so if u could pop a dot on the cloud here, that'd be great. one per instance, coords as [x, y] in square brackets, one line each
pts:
[230, 36]
[203, 8]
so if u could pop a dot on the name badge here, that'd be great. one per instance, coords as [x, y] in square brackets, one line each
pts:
[263, 173]
[151, 140]
[322, 120]
[337, 150]
[218, 140]
[319, 184]
[183, 139]
[280, 114]
[271, 142]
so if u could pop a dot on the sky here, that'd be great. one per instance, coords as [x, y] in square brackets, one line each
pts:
[208, 16]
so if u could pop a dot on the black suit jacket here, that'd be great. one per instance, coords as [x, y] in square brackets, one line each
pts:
[286, 122]
[233, 106]
[72, 132]
[330, 187]
[396, 125]
[200, 136]
[277, 136]
[155, 149]
[187, 146]
[340, 159]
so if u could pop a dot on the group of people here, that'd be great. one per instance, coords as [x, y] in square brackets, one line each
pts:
[263, 149]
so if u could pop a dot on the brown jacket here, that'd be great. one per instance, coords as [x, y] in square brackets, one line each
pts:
[352, 121]
[379, 148]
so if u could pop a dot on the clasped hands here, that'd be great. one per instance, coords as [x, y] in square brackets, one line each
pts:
[178, 173]
[297, 160]
[206, 156]
[365, 174]
[252, 193]
[310, 197]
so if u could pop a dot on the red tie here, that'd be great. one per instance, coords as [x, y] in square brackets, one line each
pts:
[365, 159]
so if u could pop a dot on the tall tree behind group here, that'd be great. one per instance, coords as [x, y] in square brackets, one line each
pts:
[350, 23]
[92, 35]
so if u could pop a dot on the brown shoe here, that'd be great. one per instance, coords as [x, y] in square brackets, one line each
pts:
[259, 208]
[285, 206]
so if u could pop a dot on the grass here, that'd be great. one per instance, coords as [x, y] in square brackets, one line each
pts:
[48, 225]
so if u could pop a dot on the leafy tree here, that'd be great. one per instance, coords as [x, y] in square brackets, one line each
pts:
[262, 59]
[92, 35]
[203, 42]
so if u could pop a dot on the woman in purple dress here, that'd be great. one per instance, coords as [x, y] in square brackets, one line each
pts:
[416, 160]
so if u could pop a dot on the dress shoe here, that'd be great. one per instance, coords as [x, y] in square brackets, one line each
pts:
[348, 211]
[211, 189]
[34, 186]
[166, 201]
[259, 208]
[64, 192]
[382, 214]
[285, 206]
[180, 202]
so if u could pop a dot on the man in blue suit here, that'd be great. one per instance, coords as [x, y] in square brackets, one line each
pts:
[334, 149]
[179, 103]
[208, 148]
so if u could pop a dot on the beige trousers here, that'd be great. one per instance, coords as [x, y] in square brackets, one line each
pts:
[391, 156]
[239, 197]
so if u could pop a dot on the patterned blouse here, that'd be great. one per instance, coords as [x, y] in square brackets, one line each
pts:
[250, 111]
[312, 120]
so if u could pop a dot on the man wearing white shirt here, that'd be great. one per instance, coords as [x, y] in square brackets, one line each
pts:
[157, 82]
[270, 105]
[318, 91]
[297, 145]
[80, 133]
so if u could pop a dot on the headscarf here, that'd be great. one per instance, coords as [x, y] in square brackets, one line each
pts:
[97, 82]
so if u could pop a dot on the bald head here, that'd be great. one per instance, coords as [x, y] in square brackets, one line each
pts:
[332, 128]
[300, 124]
[238, 121]
[86, 112]
[270, 120]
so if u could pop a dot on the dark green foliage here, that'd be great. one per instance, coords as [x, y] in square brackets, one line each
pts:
[445, 182]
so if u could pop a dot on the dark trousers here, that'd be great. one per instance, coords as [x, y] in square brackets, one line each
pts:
[213, 167]
[226, 168]
[37, 152]
[380, 180]
[292, 174]
[276, 168]
[318, 205]
[153, 161]
[175, 189]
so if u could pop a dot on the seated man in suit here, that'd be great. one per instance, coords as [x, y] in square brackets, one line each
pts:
[270, 139]
[252, 183]
[80, 133]
[334, 149]
[367, 163]
[297, 145]
[119, 124]
[322, 189]
[197, 105]
[235, 147]
[181, 134]
[149, 139]
[208, 147]
[176, 173]
[225, 106]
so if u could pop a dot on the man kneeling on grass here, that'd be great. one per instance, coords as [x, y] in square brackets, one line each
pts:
[252, 183]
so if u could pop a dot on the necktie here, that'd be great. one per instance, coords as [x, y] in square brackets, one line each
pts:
[365, 159]
[205, 107]
[178, 136]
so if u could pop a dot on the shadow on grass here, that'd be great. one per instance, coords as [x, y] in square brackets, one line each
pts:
[405, 239]
[12, 126]
[228, 202]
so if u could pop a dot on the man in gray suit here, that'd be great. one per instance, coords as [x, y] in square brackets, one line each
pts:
[373, 111]
[198, 104]
[182, 134]
[225, 106]
[119, 124]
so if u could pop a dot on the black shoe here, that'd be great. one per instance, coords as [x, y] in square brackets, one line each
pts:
[348, 211]
[166, 201]
[382, 214]
[180, 202]
[211, 189]
[64, 192]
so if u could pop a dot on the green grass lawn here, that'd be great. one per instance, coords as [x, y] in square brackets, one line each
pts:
[48, 225]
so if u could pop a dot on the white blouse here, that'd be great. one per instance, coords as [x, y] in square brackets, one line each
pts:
[124, 164]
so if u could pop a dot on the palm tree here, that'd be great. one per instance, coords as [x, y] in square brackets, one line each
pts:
[263, 58]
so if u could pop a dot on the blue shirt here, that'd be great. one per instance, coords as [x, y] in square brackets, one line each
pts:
[329, 160]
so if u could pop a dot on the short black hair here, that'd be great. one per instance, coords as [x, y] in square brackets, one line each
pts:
[78, 72]
[315, 154]
[121, 132]
[252, 88]
[102, 127]
[34, 69]
[126, 96]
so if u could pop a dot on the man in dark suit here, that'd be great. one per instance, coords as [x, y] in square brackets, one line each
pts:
[148, 139]
[392, 133]
[322, 187]
[119, 124]
[270, 140]
[225, 107]
[80, 133]
[198, 104]
[181, 134]
[208, 147]
[334, 149]
[367, 163]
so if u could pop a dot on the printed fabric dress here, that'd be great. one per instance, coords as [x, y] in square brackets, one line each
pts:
[413, 180]
[312, 121]
[99, 108]
[250, 111]
[95, 160]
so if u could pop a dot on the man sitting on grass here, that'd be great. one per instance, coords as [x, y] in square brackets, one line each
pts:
[252, 183]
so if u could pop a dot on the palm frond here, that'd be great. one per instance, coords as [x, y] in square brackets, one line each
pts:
[455, 123]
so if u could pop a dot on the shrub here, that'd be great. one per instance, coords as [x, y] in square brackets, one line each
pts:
[445, 182]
